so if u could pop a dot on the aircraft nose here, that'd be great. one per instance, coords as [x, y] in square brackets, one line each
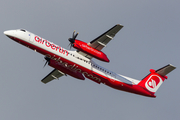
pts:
[9, 33]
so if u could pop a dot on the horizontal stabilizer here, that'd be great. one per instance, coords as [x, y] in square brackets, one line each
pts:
[165, 70]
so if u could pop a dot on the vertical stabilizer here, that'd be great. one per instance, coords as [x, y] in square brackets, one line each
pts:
[154, 80]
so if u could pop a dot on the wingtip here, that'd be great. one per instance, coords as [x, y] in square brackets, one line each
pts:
[172, 66]
[120, 25]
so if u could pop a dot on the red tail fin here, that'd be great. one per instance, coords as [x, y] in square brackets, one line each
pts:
[154, 80]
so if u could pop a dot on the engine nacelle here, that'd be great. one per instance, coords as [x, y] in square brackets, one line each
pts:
[65, 68]
[84, 47]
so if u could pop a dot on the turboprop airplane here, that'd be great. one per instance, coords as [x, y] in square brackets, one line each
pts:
[79, 63]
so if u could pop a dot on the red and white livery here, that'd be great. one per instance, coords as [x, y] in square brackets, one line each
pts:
[79, 63]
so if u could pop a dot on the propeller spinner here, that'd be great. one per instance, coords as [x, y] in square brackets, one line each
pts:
[72, 40]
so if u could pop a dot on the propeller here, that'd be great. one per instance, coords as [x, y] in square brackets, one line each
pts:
[72, 40]
[47, 60]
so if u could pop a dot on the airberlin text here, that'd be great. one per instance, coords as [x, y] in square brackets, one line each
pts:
[91, 49]
[51, 45]
[73, 68]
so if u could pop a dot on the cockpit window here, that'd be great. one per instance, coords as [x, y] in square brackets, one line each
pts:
[23, 30]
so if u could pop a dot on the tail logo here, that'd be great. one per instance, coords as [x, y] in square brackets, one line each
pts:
[153, 83]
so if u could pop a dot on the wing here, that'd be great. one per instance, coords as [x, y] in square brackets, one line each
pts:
[104, 39]
[55, 74]
[100, 42]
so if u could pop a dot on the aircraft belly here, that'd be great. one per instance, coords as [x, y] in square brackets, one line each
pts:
[129, 88]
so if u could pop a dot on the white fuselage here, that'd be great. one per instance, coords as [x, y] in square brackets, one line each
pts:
[73, 64]
[58, 51]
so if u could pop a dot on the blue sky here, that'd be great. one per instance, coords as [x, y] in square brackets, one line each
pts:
[149, 40]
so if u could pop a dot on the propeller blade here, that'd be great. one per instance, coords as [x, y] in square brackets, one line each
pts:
[45, 64]
[76, 35]
[73, 34]
[47, 60]
[71, 46]
[72, 40]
